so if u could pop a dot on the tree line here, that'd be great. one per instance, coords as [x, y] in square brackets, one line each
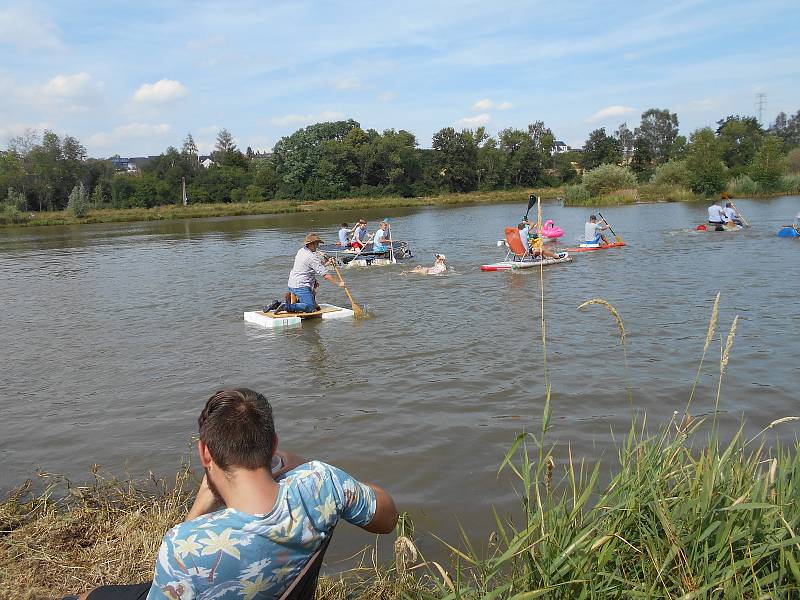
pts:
[338, 159]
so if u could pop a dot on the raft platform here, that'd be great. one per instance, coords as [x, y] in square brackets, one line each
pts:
[271, 320]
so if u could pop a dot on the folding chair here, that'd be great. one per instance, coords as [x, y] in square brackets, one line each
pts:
[517, 249]
[304, 585]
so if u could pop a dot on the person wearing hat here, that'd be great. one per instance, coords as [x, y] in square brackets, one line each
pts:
[303, 278]
[438, 267]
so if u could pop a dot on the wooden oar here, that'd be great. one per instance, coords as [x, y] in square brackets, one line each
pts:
[357, 310]
[619, 239]
[741, 216]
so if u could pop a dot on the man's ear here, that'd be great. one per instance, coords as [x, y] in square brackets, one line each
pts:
[275, 444]
[205, 454]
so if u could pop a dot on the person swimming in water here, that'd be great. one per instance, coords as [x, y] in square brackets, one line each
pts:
[438, 267]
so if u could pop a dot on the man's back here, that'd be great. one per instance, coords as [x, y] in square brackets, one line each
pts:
[231, 554]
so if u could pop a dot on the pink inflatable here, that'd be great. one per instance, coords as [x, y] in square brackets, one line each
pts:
[550, 230]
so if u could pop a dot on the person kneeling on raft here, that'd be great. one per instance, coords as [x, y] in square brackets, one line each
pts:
[525, 235]
[592, 231]
[438, 267]
[308, 263]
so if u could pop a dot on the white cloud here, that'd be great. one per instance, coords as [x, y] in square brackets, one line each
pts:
[296, 119]
[25, 28]
[504, 106]
[130, 131]
[74, 93]
[348, 84]
[608, 112]
[163, 90]
[484, 104]
[476, 121]
[387, 96]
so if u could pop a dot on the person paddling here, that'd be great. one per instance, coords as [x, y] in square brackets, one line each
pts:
[359, 238]
[379, 242]
[593, 231]
[344, 236]
[308, 263]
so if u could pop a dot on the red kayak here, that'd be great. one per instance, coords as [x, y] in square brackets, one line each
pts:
[591, 247]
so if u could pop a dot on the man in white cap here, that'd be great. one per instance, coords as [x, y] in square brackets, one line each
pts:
[308, 263]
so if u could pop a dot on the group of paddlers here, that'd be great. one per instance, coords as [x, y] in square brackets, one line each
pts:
[355, 239]
[723, 217]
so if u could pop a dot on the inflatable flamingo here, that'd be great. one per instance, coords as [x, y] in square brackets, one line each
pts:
[551, 230]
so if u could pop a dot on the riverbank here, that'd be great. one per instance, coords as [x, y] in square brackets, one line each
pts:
[193, 211]
[677, 519]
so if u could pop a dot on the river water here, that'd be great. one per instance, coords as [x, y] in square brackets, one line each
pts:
[114, 335]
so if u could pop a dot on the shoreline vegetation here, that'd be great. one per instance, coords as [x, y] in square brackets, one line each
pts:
[679, 518]
[642, 194]
[340, 164]
[684, 514]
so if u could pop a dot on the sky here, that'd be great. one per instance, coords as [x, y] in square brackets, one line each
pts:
[133, 78]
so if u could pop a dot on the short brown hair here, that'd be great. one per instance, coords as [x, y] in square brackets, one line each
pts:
[238, 429]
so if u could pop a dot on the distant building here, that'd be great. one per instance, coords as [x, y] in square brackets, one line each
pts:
[206, 161]
[132, 165]
[560, 147]
[261, 155]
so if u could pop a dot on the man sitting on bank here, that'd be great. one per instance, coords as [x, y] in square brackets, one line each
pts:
[259, 514]
[302, 278]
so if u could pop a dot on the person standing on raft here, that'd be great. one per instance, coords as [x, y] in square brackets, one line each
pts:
[308, 263]
[593, 231]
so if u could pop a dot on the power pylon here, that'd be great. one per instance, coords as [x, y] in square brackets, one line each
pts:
[761, 104]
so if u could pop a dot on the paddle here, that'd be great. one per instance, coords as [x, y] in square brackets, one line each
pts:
[357, 310]
[391, 247]
[619, 239]
[531, 202]
[741, 216]
[363, 245]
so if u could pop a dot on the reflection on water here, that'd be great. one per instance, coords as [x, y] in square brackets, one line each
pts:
[114, 335]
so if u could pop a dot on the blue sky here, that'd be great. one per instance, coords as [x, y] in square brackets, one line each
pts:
[134, 77]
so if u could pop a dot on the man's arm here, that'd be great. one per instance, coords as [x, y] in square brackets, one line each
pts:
[204, 503]
[386, 515]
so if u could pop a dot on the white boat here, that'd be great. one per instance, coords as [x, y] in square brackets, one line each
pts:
[273, 320]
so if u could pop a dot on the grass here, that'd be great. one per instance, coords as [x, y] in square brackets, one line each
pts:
[647, 192]
[175, 211]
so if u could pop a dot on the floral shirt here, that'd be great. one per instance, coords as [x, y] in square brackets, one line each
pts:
[230, 554]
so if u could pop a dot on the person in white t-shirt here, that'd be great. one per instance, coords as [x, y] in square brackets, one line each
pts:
[731, 216]
[593, 231]
[716, 216]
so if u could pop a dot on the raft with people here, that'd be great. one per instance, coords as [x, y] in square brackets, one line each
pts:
[357, 248]
[522, 256]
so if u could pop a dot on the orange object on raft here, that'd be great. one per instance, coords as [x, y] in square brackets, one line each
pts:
[590, 247]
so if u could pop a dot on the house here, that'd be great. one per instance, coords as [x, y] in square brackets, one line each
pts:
[132, 165]
[560, 147]
[205, 160]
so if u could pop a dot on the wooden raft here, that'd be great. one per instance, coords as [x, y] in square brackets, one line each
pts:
[302, 315]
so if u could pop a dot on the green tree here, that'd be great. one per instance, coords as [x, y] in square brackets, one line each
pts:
[626, 140]
[99, 195]
[787, 129]
[673, 172]
[739, 139]
[608, 178]
[189, 147]
[769, 163]
[456, 155]
[707, 172]
[657, 130]
[78, 203]
[600, 149]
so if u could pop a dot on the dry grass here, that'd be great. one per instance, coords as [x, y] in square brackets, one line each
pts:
[174, 211]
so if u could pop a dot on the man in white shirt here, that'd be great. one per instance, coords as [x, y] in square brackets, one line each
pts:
[302, 278]
[716, 216]
[344, 236]
[593, 232]
[730, 214]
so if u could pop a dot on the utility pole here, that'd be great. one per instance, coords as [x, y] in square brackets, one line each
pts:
[183, 183]
[761, 104]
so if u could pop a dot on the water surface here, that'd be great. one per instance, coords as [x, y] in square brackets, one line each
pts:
[114, 335]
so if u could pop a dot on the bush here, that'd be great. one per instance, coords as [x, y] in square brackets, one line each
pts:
[626, 196]
[608, 178]
[576, 194]
[16, 199]
[790, 184]
[653, 192]
[78, 203]
[673, 172]
[743, 186]
[11, 214]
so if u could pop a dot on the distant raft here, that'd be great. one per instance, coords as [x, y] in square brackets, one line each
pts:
[592, 247]
[272, 320]
[513, 265]
[788, 232]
